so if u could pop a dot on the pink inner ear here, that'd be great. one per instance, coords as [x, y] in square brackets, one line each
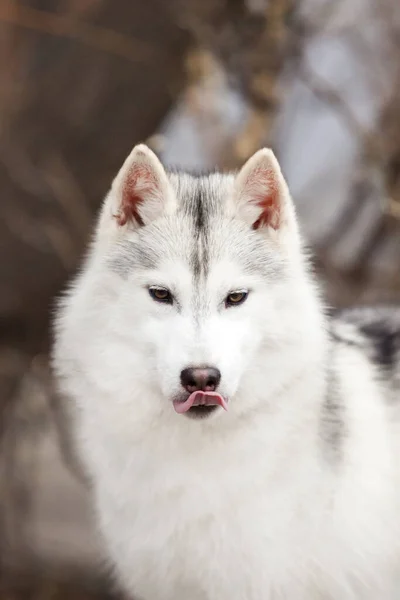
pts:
[139, 182]
[265, 193]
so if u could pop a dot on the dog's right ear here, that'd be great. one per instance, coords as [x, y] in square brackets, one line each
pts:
[140, 193]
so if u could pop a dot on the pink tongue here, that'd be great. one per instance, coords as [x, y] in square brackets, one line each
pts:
[200, 398]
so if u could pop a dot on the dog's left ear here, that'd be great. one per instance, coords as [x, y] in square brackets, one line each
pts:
[261, 195]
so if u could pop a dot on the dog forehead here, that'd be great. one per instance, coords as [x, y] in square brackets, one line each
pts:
[203, 220]
[200, 234]
[190, 232]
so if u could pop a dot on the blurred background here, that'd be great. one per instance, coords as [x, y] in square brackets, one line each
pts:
[203, 82]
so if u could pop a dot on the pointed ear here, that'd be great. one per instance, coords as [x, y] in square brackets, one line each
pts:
[141, 191]
[261, 194]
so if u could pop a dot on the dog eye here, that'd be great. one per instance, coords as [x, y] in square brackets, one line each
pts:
[236, 298]
[160, 294]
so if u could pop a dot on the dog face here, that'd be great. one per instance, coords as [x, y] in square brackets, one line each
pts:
[195, 296]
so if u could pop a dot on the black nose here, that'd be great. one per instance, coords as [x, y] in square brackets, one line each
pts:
[205, 379]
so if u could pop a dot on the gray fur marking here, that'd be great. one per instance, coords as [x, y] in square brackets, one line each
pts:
[130, 255]
[201, 231]
[196, 204]
[333, 428]
[376, 331]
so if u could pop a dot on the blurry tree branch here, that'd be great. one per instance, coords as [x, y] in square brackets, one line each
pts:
[99, 38]
[251, 40]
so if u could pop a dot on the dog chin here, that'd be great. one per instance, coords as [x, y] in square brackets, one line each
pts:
[202, 412]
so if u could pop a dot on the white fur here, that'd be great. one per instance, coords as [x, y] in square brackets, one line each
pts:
[243, 505]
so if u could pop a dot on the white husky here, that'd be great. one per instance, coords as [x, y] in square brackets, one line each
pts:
[240, 444]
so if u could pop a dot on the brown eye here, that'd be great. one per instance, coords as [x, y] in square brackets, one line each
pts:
[161, 295]
[236, 298]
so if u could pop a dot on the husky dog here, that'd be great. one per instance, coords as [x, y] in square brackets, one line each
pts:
[239, 443]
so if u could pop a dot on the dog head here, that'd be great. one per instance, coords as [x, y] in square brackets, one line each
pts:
[196, 295]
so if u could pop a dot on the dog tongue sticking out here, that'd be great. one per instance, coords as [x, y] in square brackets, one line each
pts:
[200, 398]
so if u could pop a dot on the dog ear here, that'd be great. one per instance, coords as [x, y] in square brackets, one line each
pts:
[141, 191]
[261, 194]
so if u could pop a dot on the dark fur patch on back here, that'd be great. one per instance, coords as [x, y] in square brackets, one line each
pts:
[380, 329]
[375, 331]
[386, 342]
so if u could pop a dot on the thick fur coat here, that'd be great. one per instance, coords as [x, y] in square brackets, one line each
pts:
[293, 493]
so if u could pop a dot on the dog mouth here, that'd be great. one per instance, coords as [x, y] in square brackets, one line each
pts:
[200, 404]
